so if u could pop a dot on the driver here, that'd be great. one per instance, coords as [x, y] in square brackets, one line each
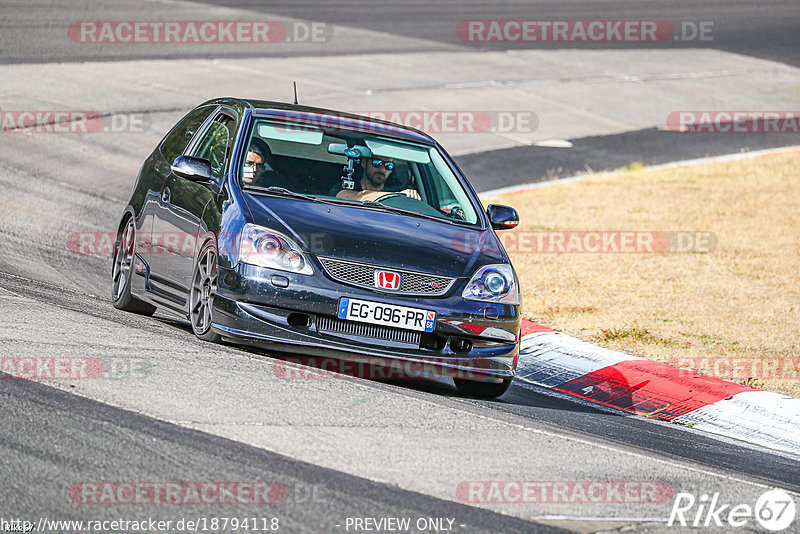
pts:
[376, 172]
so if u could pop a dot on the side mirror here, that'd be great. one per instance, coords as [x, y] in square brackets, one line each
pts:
[502, 217]
[191, 168]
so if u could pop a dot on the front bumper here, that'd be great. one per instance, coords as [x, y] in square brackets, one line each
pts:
[252, 308]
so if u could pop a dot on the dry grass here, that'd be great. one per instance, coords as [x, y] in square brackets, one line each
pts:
[733, 313]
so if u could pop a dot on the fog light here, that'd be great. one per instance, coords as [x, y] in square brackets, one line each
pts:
[301, 321]
[432, 341]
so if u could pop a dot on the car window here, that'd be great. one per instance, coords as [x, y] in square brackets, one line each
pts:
[176, 140]
[214, 145]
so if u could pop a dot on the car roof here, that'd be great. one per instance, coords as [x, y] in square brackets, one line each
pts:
[326, 119]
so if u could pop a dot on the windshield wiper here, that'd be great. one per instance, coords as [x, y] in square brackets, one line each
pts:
[384, 207]
[373, 204]
[282, 191]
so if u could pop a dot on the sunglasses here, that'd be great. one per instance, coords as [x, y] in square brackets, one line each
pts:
[253, 164]
[379, 162]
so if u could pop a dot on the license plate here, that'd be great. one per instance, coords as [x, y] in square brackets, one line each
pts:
[366, 311]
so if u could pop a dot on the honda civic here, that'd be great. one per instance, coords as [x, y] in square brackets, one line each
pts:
[321, 233]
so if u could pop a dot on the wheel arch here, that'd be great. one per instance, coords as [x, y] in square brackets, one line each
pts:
[127, 213]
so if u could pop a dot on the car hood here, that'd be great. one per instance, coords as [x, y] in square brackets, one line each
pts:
[377, 237]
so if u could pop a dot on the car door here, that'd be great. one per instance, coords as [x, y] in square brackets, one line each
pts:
[158, 170]
[182, 201]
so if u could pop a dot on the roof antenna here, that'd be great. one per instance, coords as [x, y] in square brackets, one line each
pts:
[295, 92]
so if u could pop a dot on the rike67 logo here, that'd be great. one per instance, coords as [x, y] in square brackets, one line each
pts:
[774, 510]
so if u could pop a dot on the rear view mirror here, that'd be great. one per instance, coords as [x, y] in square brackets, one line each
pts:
[191, 168]
[352, 152]
[502, 217]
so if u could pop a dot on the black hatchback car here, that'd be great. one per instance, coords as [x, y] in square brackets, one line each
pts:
[321, 233]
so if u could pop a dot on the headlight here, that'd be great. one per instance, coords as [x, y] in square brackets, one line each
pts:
[493, 283]
[268, 248]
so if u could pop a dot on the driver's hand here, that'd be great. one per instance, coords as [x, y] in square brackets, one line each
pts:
[411, 193]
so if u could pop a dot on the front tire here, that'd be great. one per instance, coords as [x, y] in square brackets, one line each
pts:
[201, 295]
[482, 390]
[122, 272]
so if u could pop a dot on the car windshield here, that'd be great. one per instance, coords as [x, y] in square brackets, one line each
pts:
[346, 166]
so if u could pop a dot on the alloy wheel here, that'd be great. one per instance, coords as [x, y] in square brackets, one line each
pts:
[204, 287]
[123, 259]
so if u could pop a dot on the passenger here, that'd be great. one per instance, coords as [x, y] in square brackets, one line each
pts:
[259, 167]
[376, 171]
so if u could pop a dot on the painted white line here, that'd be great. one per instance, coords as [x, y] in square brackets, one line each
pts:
[553, 143]
[675, 164]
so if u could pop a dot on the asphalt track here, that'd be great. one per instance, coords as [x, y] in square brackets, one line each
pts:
[104, 440]
[766, 29]
[375, 448]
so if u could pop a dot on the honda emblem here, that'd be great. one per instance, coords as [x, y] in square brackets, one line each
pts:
[387, 279]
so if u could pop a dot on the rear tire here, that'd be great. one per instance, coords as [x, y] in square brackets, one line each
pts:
[122, 272]
[201, 295]
[482, 390]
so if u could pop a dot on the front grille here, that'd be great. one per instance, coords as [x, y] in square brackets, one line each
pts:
[362, 274]
[326, 324]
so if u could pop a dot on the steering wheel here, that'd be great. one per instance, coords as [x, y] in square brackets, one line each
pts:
[388, 196]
